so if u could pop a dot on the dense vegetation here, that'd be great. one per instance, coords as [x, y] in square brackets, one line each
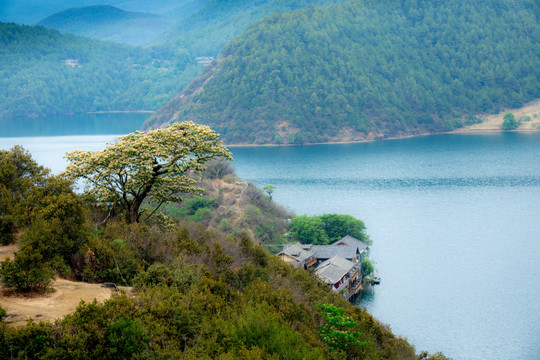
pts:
[207, 31]
[365, 69]
[327, 228]
[199, 293]
[111, 76]
[36, 79]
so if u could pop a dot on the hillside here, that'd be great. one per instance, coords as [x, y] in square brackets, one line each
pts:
[367, 69]
[206, 32]
[105, 22]
[112, 77]
[199, 292]
[44, 72]
[29, 12]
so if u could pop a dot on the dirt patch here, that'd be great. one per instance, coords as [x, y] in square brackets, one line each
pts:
[8, 251]
[54, 305]
[494, 122]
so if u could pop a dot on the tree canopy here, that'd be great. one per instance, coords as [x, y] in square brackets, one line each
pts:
[153, 166]
[327, 228]
[509, 122]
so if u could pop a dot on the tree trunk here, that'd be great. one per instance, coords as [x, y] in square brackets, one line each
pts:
[133, 215]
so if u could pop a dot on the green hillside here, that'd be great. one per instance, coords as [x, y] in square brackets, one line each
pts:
[112, 77]
[195, 292]
[367, 69]
[43, 72]
[206, 32]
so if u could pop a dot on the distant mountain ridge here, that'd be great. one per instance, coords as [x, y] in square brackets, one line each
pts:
[366, 69]
[106, 22]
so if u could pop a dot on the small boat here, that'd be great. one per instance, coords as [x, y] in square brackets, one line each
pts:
[376, 280]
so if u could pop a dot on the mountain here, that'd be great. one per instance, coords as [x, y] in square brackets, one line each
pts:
[105, 22]
[44, 72]
[29, 12]
[206, 32]
[34, 68]
[366, 69]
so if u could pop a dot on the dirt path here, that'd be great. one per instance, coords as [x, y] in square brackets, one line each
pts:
[494, 122]
[51, 306]
[8, 251]
[54, 305]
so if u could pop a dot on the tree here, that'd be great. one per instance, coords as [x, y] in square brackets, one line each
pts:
[336, 226]
[308, 230]
[367, 268]
[337, 332]
[269, 189]
[151, 166]
[327, 228]
[509, 122]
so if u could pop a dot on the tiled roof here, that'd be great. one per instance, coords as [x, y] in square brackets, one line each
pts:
[298, 251]
[351, 241]
[333, 269]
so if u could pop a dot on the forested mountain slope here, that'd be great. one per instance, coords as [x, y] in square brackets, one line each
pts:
[365, 69]
[38, 81]
[105, 22]
[44, 72]
[207, 31]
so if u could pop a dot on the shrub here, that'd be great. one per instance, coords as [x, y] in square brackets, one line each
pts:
[217, 169]
[509, 122]
[7, 230]
[27, 273]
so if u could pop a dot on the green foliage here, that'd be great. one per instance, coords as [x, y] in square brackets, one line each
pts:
[308, 230]
[327, 228]
[154, 167]
[365, 69]
[3, 313]
[367, 268]
[509, 122]
[337, 332]
[37, 81]
[269, 189]
[125, 338]
[28, 272]
[7, 230]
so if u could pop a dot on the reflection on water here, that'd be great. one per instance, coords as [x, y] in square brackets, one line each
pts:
[78, 124]
[366, 297]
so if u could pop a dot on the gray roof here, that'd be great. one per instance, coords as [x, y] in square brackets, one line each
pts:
[333, 269]
[327, 251]
[351, 241]
[298, 251]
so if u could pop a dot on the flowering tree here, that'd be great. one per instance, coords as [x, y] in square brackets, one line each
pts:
[152, 166]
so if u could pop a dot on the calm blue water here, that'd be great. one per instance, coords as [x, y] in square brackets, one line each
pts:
[454, 221]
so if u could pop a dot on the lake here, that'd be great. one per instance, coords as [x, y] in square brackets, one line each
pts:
[454, 221]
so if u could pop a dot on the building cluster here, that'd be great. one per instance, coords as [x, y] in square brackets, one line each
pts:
[337, 264]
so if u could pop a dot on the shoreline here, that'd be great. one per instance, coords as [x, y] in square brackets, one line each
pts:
[458, 132]
[122, 112]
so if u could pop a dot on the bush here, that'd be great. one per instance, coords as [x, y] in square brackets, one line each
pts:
[509, 122]
[217, 169]
[27, 273]
[7, 230]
